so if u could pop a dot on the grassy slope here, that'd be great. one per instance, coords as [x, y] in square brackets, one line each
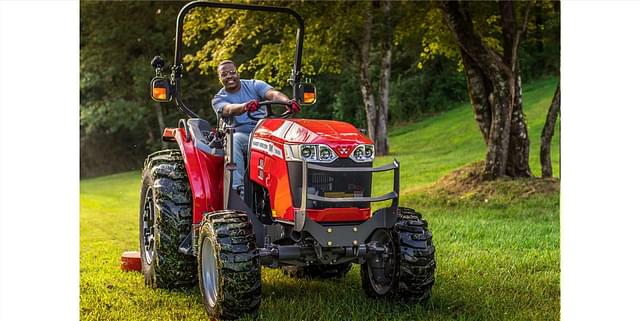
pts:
[498, 260]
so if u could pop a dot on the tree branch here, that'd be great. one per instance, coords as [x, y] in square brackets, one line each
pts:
[519, 33]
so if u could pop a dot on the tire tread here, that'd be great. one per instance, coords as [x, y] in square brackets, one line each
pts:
[166, 174]
[239, 261]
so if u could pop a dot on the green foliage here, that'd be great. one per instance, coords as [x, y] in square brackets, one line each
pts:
[434, 88]
[117, 43]
[114, 115]
[540, 51]
[263, 44]
[118, 40]
[436, 39]
[498, 260]
[347, 105]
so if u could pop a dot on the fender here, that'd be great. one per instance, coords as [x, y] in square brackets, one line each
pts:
[205, 168]
[205, 172]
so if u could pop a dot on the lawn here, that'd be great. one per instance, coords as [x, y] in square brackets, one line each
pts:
[497, 259]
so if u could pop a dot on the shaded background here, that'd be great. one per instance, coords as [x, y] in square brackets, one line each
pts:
[120, 124]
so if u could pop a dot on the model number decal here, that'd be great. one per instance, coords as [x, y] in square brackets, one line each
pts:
[267, 147]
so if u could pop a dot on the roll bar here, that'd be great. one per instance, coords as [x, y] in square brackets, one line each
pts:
[176, 69]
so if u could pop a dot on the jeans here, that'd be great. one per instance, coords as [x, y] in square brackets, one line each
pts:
[240, 142]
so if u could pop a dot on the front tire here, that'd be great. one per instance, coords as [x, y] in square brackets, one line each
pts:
[228, 266]
[165, 220]
[409, 273]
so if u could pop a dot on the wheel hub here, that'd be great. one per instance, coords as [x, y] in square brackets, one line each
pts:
[148, 217]
[209, 272]
[382, 267]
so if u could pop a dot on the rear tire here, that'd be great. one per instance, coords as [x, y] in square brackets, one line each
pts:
[165, 220]
[412, 264]
[228, 266]
[323, 271]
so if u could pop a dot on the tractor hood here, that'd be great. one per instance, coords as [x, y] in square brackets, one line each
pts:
[335, 134]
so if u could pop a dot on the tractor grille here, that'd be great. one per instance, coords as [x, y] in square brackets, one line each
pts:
[331, 184]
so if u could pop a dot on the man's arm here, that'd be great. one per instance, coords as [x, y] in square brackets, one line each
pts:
[238, 109]
[232, 110]
[225, 108]
[273, 94]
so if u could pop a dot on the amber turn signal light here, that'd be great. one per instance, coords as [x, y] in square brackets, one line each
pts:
[160, 93]
[160, 90]
[309, 98]
[308, 93]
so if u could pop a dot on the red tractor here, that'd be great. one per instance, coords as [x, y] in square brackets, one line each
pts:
[306, 206]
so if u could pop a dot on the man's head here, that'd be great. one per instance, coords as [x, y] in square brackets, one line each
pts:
[229, 75]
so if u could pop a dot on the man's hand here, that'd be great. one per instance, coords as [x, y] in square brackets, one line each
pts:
[251, 106]
[294, 108]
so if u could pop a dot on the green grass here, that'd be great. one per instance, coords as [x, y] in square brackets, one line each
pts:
[498, 260]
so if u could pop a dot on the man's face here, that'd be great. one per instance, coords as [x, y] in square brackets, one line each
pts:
[229, 77]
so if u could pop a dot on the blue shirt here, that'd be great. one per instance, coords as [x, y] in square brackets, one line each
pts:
[249, 89]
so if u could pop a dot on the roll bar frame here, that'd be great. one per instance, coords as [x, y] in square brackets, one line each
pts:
[177, 68]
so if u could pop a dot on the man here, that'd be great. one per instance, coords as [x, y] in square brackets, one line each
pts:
[237, 98]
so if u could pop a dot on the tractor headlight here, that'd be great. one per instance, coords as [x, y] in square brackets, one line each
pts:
[326, 154]
[363, 153]
[310, 153]
[368, 151]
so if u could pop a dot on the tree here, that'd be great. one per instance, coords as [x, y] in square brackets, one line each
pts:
[547, 134]
[377, 110]
[117, 42]
[494, 85]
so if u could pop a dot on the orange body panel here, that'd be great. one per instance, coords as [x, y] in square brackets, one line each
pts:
[268, 166]
[273, 175]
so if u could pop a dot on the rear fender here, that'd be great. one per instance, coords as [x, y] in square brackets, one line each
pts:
[204, 169]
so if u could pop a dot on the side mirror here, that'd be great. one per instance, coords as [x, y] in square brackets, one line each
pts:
[161, 90]
[307, 92]
[160, 86]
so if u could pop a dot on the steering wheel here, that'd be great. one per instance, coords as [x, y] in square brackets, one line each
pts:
[270, 113]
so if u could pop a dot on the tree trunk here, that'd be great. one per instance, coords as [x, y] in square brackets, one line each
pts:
[547, 134]
[161, 124]
[518, 160]
[382, 147]
[518, 154]
[494, 87]
[365, 78]
[500, 77]
[479, 88]
[498, 149]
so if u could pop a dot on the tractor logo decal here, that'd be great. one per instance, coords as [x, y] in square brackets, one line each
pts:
[266, 147]
[343, 150]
